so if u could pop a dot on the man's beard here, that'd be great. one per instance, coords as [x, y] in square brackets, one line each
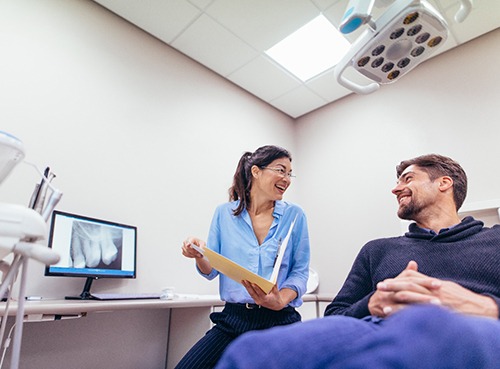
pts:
[409, 211]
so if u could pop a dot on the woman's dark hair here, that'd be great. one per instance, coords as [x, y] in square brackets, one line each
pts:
[437, 166]
[242, 180]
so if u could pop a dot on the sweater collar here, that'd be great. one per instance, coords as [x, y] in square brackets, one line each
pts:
[467, 227]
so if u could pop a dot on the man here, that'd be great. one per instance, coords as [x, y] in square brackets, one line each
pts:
[428, 299]
[443, 260]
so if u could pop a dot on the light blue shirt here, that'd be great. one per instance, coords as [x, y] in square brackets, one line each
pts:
[234, 237]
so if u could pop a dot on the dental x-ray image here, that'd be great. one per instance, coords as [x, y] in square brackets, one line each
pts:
[95, 246]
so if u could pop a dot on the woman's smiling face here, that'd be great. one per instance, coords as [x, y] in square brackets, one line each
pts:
[274, 179]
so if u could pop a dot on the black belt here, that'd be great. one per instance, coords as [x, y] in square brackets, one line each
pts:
[247, 305]
[250, 306]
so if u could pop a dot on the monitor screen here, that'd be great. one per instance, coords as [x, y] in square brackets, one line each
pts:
[91, 248]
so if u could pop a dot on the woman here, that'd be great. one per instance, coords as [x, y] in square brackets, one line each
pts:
[249, 230]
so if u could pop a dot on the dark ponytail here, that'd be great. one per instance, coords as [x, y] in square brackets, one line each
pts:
[242, 179]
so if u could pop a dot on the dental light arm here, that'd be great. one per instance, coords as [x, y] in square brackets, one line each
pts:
[463, 11]
[405, 35]
[357, 13]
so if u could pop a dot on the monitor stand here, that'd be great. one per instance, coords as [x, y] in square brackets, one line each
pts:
[85, 295]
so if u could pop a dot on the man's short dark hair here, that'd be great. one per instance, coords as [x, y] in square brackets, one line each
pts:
[436, 166]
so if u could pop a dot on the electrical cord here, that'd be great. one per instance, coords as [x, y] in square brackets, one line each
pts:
[6, 345]
[8, 281]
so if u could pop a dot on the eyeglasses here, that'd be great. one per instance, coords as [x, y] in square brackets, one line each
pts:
[281, 172]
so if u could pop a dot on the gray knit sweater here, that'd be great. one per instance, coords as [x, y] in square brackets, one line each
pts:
[468, 254]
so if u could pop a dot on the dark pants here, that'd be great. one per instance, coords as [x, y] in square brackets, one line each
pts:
[419, 337]
[230, 323]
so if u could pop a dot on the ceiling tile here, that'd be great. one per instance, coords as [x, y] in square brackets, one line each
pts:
[325, 4]
[262, 23]
[214, 46]
[155, 16]
[323, 86]
[263, 78]
[298, 102]
[202, 4]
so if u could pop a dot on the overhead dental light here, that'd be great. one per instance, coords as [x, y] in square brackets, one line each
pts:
[404, 36]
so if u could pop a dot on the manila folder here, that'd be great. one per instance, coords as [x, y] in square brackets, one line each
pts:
[234, 270]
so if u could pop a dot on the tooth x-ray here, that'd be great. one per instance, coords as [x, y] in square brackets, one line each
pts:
[95, 246]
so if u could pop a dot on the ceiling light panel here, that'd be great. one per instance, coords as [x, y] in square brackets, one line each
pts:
[312, 49]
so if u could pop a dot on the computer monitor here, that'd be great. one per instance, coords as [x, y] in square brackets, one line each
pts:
[91, 248]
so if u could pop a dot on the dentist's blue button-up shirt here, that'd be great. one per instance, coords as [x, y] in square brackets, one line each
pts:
[233, 237]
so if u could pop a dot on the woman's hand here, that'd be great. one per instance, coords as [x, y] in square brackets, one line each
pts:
[274, 300]
[189, 252]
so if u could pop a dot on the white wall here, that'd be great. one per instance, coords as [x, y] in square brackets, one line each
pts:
[136, 133]
[139, 134]
[347, 151]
